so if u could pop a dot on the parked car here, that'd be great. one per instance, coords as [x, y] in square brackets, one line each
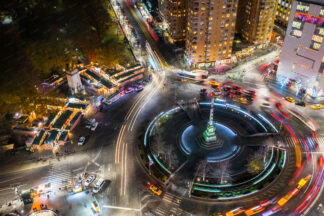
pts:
[89, 180]
[98, 185]
[129, 90]
[94, 126]
[139, 88]
[81, 141]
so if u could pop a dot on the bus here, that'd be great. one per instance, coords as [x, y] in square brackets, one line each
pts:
[197, 75]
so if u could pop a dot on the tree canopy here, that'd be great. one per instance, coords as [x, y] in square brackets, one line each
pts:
[47, 36]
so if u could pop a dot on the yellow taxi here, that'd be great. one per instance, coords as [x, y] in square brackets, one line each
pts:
[317, 106]
[254, 210]
[235, 212]
[155, 190]
[303, 181]
[214, 83]
[95, 206]
[290, 99]
[242, 100]
[77, 188]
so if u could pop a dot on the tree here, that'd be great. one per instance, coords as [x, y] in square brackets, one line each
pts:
[51, 55]
[221, 171]
[255, 166]
[257, 163]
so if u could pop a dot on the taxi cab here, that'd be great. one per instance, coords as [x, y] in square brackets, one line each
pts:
[95, 206]
[303, 181]
[254, 210]
[317, 106]
[290, 99]
[155, 190]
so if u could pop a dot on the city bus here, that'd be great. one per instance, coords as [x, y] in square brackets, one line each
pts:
[197, 75]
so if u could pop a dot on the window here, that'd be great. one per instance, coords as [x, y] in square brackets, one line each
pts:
[322, 12]
[302, 8]
[297, 33]
[316, 46]
[321, 31]
[296, 24]
[317, 38]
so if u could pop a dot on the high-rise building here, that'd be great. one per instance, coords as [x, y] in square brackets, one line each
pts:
[302, 57]
[174, 15]
[210, 31]
[283, 12]
[256, 20]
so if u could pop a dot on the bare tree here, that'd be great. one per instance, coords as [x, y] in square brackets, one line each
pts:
[221, 171]
[201, 169]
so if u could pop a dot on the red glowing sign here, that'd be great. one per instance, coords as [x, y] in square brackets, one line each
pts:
[309, 18]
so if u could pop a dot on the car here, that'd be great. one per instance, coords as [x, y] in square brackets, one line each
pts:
[81, 141]
[235, 212]
[321, 160]
[249, 92]
[139, 88]
[317, 106]
[265, 105]
[303, 181]
[243, 100]
[216, 94]
[89, 180]
[98, 185]
[279, 105]
[290, 99]
[77, 188]
[94, 126]
[83, 176]
[237, 89]
[254, 210]
[95, 206]
[155, 190]
[301, 103]
[203, 90]
[129, 90]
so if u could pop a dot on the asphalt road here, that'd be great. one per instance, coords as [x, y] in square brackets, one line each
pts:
[110, 151]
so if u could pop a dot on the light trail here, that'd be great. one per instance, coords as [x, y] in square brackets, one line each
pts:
[147, 35]
[123, 170]
[125, 176]
[132, 124]
[121, 208]
[120, 135]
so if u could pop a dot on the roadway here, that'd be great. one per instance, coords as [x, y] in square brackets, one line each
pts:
[110, 151]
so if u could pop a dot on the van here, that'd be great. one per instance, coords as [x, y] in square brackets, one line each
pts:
[98, 185]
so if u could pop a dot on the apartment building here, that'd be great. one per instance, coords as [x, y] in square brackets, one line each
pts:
[209, 31]
[174, 14]
[256, 20]
[283, 12]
